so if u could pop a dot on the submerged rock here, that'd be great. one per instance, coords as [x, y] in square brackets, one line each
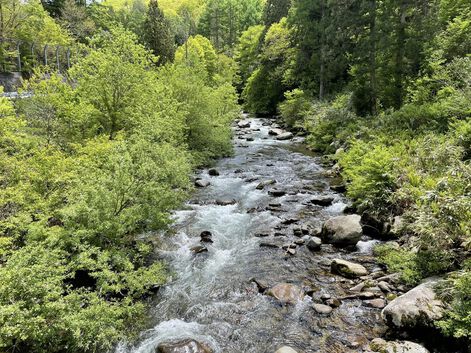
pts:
[382, 346]
[419, 307]
[187, 346]
[277, 193]
[342, 230]
[225, 202]
[264, 183]
[286, 293]
[348, 269]
[198, 249]
[322, 200]
[213, 172]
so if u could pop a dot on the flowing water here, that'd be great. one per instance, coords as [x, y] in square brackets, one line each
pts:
[213, 298]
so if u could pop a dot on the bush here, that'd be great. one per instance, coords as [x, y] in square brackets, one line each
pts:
[295, 108]
[399, 261]
[457, 292]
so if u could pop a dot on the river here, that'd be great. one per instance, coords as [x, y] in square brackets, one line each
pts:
[213, 297]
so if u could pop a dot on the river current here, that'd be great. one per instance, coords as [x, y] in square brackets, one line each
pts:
[213, 297]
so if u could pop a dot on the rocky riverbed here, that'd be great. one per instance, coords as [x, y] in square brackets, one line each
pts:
[265, 260]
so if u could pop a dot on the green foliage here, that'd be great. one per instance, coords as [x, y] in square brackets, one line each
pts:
[224, 20]
[265, 87]
[246, 53]
[158, 34]
[331, 124]
[399, 261]
[457, 321]
[88, 164]
[295, 107]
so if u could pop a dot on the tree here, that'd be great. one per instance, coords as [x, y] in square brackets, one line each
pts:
[158, 34]
[246, 53]
[275, 10]
[224, 20]
[76, 20]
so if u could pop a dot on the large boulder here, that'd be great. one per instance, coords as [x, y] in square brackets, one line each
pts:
[286, 349]
[348, 269]
[419, 307]
[285, 136]
[275, 132]
[382, 346]
[342, 230]
[286, 293]
[186, 346]
[243, 124]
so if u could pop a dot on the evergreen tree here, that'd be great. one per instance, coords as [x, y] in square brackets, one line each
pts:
[158, 34]
[275, 10]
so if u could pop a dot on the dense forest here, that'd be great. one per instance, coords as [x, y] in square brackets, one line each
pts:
[92, 159]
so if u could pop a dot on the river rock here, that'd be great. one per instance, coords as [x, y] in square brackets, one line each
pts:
[276, 193]
[322, 309]
[314, 244]
[286, 349]
[419, 307]
[375, 303]
[198, 249]
[342, 230]
[213, 172]
[243, 124]
[382, 346]
[264, 183]
[322, 201]
[285, 136]
[187, 346]
[275, 132]
[225, 202]
[206, 237]
[347, 269]
[286, 293]
[200, 183]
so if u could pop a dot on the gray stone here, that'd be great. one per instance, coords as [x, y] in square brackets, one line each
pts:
[285, 136]
[264, 183]
[322, 309]
[382, 346]
[243, 124]
[347, 269]
[375, 303]
[342, 230]
[419, 307]
[286, 349]
[186, 346]
[322, 200]
[200, 183]
[275, 132]
[314, 244]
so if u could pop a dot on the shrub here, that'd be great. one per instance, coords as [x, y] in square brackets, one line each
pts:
[295, 108]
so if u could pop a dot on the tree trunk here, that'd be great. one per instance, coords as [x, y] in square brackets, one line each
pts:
[372, 59]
